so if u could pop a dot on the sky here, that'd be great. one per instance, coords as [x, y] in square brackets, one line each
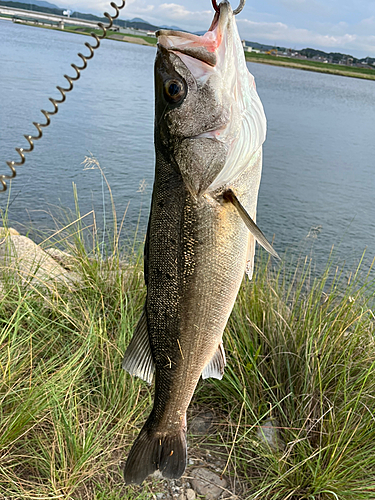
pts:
[346, 26]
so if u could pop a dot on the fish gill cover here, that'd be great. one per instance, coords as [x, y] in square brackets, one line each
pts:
[218, 55]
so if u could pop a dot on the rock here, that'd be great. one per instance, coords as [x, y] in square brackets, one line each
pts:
[190, 494]
[22, 259]
[4, 231]
[206, 482]
[110, 270]
[181, 497]
[202, 423]
[268, 433]
[63, 258]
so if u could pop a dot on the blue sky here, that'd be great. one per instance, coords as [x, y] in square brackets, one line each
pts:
[346, 26]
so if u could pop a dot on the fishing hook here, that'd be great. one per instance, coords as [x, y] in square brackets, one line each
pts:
[235, 12]
[63, 91]
[214, 5]
[240, 7]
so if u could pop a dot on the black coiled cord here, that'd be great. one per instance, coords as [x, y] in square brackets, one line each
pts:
[63, 91]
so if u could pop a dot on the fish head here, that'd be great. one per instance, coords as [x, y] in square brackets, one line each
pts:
[209, 120]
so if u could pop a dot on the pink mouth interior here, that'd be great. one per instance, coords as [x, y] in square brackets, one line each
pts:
[210, 41]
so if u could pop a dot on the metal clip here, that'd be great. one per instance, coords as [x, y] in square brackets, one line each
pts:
[235, 12]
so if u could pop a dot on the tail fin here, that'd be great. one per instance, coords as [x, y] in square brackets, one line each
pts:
[154, 450]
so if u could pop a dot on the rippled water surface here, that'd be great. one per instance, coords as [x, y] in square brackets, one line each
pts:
[318, 175]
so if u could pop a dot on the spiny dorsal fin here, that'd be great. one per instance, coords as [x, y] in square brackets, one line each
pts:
[215, 367]
[250, 224]
[138, 359]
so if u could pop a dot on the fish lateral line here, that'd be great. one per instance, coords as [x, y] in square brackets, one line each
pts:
[229, 196]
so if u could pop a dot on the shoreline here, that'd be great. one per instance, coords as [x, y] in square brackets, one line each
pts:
[305, 65]
[309, 67]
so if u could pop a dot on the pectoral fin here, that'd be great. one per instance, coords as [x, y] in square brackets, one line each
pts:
[250, 224]
[138, 360]
[215, 367]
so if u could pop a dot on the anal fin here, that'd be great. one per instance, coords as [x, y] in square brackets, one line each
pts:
[215, 367]
[250, 224]
[138, 360]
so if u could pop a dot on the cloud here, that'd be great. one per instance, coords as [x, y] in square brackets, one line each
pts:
[302, 6]
[178, 13]
[296, 4]
[367, 26]
[283, 35]
[133, 8]
[87, 6]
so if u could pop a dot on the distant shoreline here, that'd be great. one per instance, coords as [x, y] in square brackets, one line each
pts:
[305, 64]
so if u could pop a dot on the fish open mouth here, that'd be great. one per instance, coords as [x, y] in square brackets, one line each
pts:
[200, 47]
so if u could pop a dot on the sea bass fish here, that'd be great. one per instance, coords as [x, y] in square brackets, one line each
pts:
[209, 130]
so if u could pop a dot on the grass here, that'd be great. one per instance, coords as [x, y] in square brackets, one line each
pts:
[149, 39]
[300, 352]
[110, 34]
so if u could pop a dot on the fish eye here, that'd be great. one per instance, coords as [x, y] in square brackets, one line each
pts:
[174, 90]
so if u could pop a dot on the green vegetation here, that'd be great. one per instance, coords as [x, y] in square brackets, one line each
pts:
[300, 351]
[149, 39]
[110, 34]
[309, 65]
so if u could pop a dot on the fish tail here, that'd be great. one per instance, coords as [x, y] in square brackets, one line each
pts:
[154, 450]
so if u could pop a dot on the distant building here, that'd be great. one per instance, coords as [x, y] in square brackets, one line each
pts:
[247, 48]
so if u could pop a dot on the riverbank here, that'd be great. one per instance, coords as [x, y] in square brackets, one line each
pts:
[304, 64]
[81, 30]
[307, 65]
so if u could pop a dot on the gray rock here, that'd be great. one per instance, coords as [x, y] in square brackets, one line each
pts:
[63, 258]
[206, 482]
[70, 262]
[5, 231]
[190, 494]
[21, 259]
[202, 423]
[268, 433]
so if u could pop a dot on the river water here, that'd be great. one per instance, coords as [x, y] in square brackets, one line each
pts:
[318, 179]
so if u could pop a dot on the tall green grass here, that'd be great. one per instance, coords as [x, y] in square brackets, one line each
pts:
[300, 352]
[302, 361]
